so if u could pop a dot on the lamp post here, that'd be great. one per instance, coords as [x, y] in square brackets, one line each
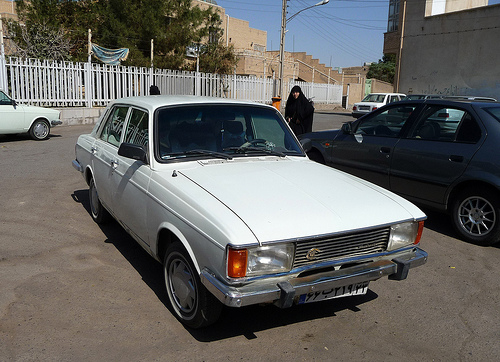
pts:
[284, 21]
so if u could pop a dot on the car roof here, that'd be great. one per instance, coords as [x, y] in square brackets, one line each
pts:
[446, 101]
[156, 101]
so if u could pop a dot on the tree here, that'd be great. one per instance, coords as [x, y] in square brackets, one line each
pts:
[41, 41]
[384, 70]
[173, 24]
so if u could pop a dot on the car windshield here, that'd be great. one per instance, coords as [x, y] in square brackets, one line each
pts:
[374, 98]
[222, 131]
[494, 111]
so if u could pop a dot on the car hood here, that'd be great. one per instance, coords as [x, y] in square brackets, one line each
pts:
[283, 199]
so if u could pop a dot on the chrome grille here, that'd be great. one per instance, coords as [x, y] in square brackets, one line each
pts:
[338, 246]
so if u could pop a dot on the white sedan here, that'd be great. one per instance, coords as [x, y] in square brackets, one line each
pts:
[222, 194]
[18, 118]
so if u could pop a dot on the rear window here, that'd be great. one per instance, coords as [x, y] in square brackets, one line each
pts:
[494, 111]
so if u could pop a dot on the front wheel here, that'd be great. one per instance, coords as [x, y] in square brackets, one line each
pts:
[316, 156]
[475, 216]
[191, 301]
[39, 130]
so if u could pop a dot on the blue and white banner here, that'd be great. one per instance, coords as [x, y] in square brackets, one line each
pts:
[110, 56]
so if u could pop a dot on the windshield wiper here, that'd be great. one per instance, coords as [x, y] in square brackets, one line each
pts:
[197, 152]
[249, 149]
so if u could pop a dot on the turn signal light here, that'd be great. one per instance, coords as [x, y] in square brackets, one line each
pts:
[419, 232]
[237, 263]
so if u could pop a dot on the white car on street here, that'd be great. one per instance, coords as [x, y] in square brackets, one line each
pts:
[222, 194]
[374, 101]
[18, 118]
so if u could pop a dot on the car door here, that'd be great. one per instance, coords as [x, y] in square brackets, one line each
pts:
[131, 178]
[367, 153]
[105, 155]
[12, 116]
[435, 154]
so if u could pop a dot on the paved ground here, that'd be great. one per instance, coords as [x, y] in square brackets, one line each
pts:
[74, 291]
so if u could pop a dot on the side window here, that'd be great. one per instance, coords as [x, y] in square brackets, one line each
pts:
[386, 124]
[4, 100]
[137, 128]
[113, 128]
[446, 124]
[394, 99]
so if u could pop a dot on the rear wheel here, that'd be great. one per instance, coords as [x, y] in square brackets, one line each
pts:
[39, 130]
[98, 212]
[475, 216]
[193, 304]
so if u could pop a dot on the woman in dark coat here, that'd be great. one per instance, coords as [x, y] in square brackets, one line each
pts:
[299, 112]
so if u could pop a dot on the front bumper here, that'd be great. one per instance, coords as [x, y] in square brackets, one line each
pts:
[285, 291]
[55, 123]
[77, 166]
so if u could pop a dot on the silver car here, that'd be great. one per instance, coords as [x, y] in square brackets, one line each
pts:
[222, 194]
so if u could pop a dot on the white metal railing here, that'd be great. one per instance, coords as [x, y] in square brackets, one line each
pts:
[71, 84]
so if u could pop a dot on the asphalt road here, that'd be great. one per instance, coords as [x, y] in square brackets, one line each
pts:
[74, 291]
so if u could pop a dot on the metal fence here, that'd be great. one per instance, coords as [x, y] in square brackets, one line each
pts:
[69, 84]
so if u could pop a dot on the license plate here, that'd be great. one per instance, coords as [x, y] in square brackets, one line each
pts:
[345, 291]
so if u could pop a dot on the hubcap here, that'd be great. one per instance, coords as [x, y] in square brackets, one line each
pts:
[477, 216]
[182, 286]
[41, 130]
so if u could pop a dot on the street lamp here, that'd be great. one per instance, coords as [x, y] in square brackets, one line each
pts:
[284, 21]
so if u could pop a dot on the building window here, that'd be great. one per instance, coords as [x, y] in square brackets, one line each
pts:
[393, 18]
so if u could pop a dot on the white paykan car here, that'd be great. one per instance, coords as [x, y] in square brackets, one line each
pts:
[18, 118]
[222, 194]
[374, 101]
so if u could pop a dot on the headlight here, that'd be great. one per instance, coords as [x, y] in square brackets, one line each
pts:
[260, 260]
[404, 234]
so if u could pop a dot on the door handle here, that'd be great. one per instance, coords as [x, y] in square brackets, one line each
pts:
[93, 150]
[456, 158]
[385, 150]
[114, 164]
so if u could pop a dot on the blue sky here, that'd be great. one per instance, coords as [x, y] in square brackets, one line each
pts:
[342, 33]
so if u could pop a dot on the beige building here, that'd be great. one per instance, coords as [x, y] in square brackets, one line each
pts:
[254, 59]
[445, 47]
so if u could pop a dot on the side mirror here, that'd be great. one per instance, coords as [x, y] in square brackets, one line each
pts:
[133, 151]
[306, 144]
[347, 128]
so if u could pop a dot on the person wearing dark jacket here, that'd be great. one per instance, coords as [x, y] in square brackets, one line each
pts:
[299, 112]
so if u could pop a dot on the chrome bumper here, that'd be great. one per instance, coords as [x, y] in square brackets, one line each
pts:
[285, 291]
[77, 165]
[56, 123]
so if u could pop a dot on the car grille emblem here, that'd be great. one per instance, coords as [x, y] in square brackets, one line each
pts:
[311, 254]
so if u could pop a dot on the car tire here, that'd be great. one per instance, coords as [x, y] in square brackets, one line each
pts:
[193, 304]
[39, 130]
[316, 156]
[475, 216]
[98, 212]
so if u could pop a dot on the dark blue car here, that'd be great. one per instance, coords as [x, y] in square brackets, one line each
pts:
[438, 153]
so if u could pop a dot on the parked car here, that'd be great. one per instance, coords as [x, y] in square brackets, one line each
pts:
[374, 101]
[440, 154]
[223, 195]
[17, 118]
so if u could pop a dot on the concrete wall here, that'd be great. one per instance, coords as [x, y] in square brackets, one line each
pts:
[79, 115]
[451, 54]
